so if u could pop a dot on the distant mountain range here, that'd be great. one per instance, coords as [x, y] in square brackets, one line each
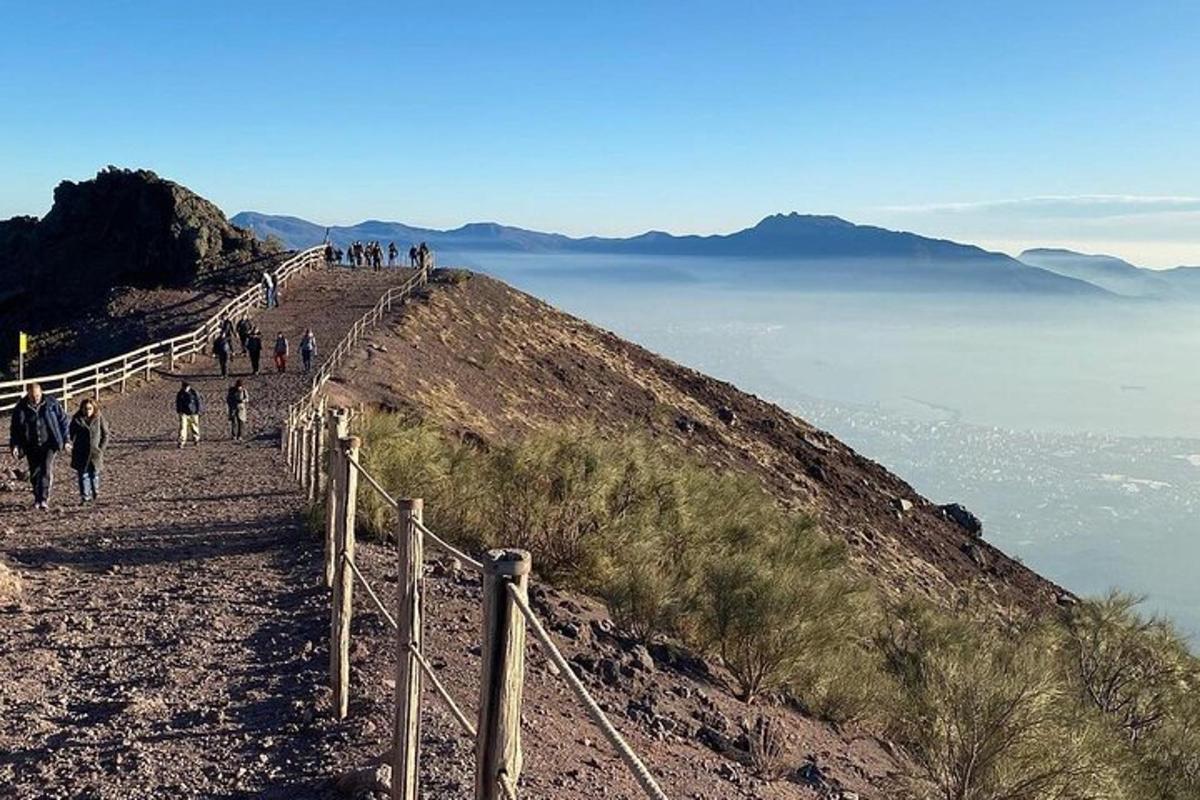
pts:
[809, 250]
[1116, 275]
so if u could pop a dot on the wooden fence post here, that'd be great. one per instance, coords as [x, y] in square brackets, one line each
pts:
[302, 456]
[318, 445]
[124, 372]
[66, 390]
[406, 731]
[502, 678]
[172, 356]
[343, 583]
[338, 428]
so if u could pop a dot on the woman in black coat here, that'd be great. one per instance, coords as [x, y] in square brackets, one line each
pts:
[89, 438]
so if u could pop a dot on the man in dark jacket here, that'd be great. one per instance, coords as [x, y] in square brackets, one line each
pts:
[254, 348]
[223, 349]
[243, 332]
[39, 428]
[188, 407]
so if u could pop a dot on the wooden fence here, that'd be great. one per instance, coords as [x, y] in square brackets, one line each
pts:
[324, 458]
[116, 372]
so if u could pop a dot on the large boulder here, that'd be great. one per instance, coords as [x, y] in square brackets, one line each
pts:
[960, 516]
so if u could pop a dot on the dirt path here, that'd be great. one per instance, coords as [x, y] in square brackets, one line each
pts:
[169, 642]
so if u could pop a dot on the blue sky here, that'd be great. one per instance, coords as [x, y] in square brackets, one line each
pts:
[1008, 124]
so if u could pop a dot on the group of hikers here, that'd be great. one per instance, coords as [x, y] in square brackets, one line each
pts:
[370, 254]
[250, 340]
[39, 429]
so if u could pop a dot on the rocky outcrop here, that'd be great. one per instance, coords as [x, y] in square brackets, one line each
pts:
[120, 231]
[123, 227]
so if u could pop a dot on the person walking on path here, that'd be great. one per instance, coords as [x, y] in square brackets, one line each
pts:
[188, 407]
[270, 290]
[254, 348]
[238, 401]
[281, 352]
[308, 348]
[392, 253]
[412, 256]
[89, 438]
[38, 429]
[243, 332]
[222, 349]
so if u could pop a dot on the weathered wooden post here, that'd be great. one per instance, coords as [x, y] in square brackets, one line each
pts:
[502, 679]
[315, 460]
[302, 455]
[338, 428]
[66, 390]
[343, 583]
[172, 356]
[124, 372]
[96, 384]
[149, 362]
[406, 730]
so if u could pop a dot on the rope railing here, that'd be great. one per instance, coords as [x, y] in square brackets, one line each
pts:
[334, 467]
[141, 361]
[643, 776]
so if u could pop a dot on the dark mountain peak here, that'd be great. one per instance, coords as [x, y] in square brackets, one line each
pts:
[795, 221]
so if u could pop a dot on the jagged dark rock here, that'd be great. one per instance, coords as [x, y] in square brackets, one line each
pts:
[961, 516]
[123, 229]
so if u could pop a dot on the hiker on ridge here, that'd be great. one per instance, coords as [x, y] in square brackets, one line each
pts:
[243, 332]
[39, 430]
[188, 407]
[237, 399]
[308, 348]
[412, 256]
[254, 348]
[270, 290]
[281, 352]
[393, 251]
[89, 438]
[223, 349]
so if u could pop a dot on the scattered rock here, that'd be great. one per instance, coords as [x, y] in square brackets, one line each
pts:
[962, 517]
[726, 415]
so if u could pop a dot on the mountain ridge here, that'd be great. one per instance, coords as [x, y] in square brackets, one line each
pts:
[817, 249]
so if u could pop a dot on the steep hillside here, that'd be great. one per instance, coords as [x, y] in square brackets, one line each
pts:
[117, 259]
[491, 363]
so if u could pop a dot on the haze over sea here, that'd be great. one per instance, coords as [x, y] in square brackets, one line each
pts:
[1071, 426]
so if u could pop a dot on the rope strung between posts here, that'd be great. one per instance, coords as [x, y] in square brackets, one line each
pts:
[370, 591]
[463, 722]
[449, 548]
[643, 776]
[433, 537]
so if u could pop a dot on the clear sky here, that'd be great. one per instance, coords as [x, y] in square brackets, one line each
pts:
[1007, 124]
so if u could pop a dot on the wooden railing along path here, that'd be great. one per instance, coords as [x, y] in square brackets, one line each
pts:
[324, 458]
[119, 370]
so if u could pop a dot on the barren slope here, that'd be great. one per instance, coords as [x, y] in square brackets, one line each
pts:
[489, 361]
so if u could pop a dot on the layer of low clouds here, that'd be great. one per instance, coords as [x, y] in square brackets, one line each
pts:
[1149, 230]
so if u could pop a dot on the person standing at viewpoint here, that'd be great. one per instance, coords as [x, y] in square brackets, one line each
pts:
[39, 429]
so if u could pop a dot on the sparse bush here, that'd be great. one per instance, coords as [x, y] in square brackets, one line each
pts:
[772, 601]
[1128, 667]
[992, 721]
[767, 752]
